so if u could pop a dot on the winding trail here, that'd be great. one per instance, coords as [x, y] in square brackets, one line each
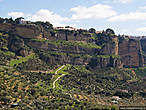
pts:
[54, 83]
[59, 69]
[57, 80]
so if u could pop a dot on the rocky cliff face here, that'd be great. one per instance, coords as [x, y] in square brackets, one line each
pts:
[130, 52]
[109, 44]
[25, 31]
[74, 47]
[143, 45]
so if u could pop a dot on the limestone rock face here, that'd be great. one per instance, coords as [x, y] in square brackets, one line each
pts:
[17, 45]
[23, 52]
[25, 31]
[130, 52]
[109, 44]
[6, 27]
[37, 44]
[64, 59]
[105, 62]
[143, 45]
[76, 55]
[114, 52]
[28, 31]
[62, 48]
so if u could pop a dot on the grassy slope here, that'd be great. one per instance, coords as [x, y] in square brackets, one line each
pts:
[16, 62]
[33, 90]
[70, 43]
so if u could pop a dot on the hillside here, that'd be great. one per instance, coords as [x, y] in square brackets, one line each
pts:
[43, 67]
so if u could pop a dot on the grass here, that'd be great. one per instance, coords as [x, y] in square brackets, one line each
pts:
[82, 69]
[7, 53]
[79, 55]
[16, 62]
[42, 86]
[67, 54]
[4, 35]
[140, 71]
[63, 70]
[70, 43]
[107, 56]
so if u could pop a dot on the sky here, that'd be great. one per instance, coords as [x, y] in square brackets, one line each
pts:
[126, 17]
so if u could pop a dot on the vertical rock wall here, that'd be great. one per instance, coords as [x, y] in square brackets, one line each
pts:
[130, 52]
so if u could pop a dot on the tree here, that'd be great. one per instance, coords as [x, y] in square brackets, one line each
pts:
[92, 30]
[1, 20]
[46, 24]
[10, 20]
[17, 20]
[66, 35]
[49, 25]
[109, 31]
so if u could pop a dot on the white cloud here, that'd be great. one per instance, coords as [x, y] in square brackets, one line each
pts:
[129, 16]
[98, 11]
[16, 14]
[46, 15]
[42, 15]
[142, 29]
[94, 12]
[142, 8]
[122, 1]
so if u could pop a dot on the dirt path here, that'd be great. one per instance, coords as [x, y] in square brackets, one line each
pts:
[54, 83]
[59, 69]
[57, 80]
[37, 71]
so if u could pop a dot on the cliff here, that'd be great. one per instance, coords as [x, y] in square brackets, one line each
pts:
[45, 68]
[131, 52]
[77, 47]
[143, 45]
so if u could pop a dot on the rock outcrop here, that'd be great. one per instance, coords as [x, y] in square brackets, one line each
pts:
[130, 52]
[143, 45]
[75, 47]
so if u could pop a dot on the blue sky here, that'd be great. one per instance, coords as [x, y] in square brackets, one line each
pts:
[124, 16]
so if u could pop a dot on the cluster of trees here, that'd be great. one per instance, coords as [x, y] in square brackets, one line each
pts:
[108, 31]
[7, 20]
[46, 24]
[104, 81]
[10, 20]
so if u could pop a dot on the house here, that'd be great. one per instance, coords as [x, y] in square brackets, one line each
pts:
[65, 28]
[23, 22]
[116, 98]
[14, 105]
[115, 102]
[98, 32]
[5, 21]
[20, 21]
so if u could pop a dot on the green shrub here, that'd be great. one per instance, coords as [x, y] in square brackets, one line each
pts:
[69, 43]
[16, 62]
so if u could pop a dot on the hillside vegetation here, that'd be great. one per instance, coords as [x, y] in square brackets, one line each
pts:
[68, 70]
